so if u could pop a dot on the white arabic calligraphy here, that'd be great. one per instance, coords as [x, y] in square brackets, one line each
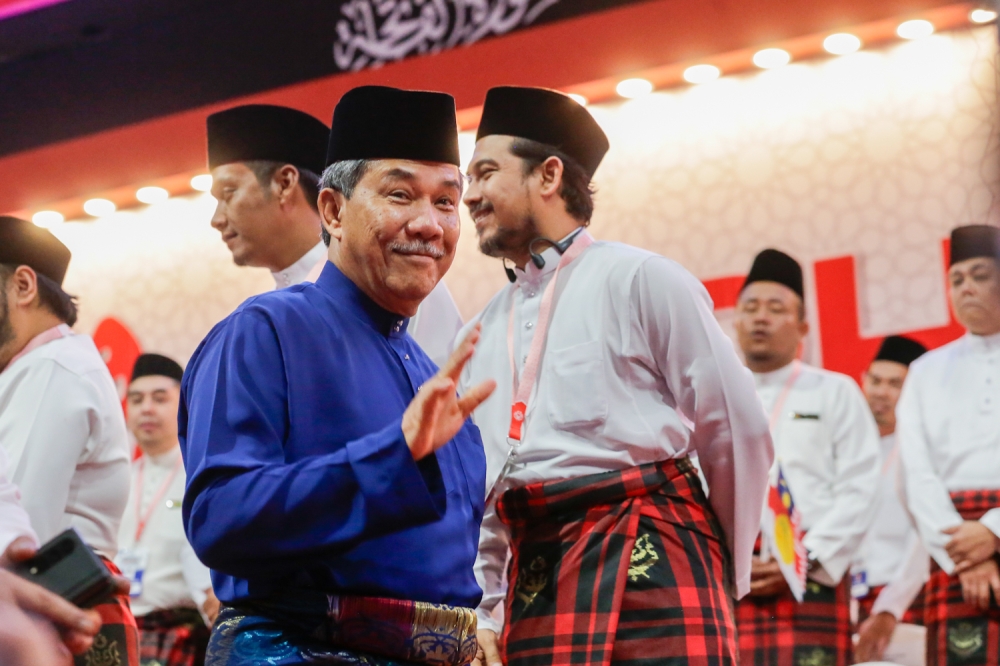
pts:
[373, 32]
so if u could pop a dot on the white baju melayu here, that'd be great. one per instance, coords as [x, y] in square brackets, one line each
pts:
[173, 577]
[14, 521]
[826, 442]
[62, 426]
[301, 270]
[633, 357]
[948, 425]
[435, 325]
[891, 553]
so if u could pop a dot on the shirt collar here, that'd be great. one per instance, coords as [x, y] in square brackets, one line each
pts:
[984, 344]
[167, 459]
[532, 273]
[775, 377]
[298, 271]
[54, 333]
[333, 282]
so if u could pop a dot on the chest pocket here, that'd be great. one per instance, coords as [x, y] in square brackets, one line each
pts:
[805, 451]
[576, 384]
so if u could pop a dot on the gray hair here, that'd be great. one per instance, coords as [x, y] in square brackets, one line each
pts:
[343, 177]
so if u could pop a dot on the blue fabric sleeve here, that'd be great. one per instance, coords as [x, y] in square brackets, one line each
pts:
[245, 505]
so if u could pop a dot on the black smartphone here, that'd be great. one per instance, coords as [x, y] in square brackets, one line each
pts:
[68, 567]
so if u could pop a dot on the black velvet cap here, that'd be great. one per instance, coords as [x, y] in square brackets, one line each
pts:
[776, 266]
[265, 132]
[156, 364]
[25, 244]
[974, 240]
[899, 349]
[378, 122]
[548, 117]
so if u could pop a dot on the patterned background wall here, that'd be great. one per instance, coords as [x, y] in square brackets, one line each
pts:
[877, 154]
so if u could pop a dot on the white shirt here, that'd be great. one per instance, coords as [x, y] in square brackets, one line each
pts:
[166, 581]
[62, 426]
[14, 521]
[826, 441]
[892, 554]
[948, 424]
[633, 357]
[434, 327]
[300, 270]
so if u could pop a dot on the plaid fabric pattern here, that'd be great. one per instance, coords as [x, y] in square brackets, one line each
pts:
[173, 637]
[959, 634]
[913, 615]
[780, 631]
[118, 641]
[620, 568]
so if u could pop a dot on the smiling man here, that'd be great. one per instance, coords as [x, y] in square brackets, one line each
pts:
[265, 162]
[949, 436]
[617, 556]
[335, 484]
[826, 447]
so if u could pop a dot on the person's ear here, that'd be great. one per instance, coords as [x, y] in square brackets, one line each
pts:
[551, 172]
[284, 182]
[331, 205]
[24, 285]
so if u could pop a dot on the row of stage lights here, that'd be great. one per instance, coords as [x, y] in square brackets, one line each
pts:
[841, 43]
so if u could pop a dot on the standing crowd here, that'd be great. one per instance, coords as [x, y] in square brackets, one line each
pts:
[588, 472]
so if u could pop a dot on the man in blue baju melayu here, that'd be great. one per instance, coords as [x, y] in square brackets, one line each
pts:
[335, 485]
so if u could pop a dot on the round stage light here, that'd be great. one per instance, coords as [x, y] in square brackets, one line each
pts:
[47, 218]
[982, 15]
[915, 29]
[632, 88]
[701, 73]
[579, 99]
[202, 183]
[771, 58]
[152, 195]
[99, 207]
[841, 43]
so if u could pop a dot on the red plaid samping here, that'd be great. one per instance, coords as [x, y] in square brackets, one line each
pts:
[615, 568]
[958, 633]
[117, 643]
[175, 637]
[913, 615]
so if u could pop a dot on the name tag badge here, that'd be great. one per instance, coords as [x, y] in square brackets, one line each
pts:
[859, 584]
[799, 416]
[133, 563]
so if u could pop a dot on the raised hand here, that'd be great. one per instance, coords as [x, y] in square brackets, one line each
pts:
[437, 413]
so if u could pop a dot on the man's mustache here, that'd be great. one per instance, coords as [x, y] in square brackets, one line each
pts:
[481, 207]
[417, 247]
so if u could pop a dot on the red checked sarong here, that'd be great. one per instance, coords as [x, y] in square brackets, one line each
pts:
[615, 568]
[118, 641]
[913, 615]
[174, 637]
[780, 631]
[959, 633]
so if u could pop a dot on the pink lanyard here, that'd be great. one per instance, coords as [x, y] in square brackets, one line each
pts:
[780, 402]
[141, 521]
[522, 387]
[54, 333]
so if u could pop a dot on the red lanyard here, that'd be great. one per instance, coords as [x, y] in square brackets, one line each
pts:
[780, 402]
[141, 520]
[522, 388]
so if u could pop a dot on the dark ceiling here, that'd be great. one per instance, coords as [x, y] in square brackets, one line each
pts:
[89, 65]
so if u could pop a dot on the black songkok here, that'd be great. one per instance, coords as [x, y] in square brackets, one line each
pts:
[265, 132]
[899, 349]
[378, 122]
[25, 244]
[776, 266]
[974, 240]
[548, 117]
[155, 364]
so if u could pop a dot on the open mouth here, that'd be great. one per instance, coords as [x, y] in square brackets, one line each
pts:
[481, 214]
